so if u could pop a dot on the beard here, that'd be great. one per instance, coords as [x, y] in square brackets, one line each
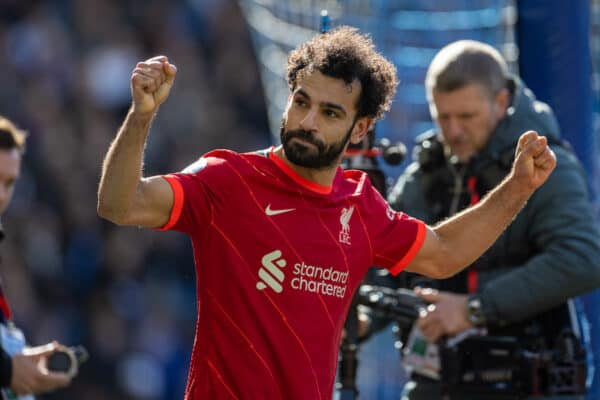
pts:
[318, 156]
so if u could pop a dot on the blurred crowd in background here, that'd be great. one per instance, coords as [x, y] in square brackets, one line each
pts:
[127, 295]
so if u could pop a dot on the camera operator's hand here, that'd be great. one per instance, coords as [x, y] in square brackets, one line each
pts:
[30, 374]
[446, 316]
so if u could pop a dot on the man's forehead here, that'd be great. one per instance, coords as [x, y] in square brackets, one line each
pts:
[464, 98]
[327, 88]
[474, 91]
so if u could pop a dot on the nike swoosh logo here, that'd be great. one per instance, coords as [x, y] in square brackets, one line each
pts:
[271, 212]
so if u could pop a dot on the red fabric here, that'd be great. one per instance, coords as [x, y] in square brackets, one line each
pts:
[471, 185]
[4, 307]
[472, 280]
[277, 263]
[177, 202]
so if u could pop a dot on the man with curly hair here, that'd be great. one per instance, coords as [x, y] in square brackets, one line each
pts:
[283, 237]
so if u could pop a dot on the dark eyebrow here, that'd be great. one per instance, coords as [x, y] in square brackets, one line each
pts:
[334, 106]
[303, 93]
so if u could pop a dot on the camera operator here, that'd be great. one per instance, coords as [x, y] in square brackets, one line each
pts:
[23, 370]
[520, 288]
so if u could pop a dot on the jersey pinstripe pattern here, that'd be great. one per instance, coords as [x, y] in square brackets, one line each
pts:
[273, 288]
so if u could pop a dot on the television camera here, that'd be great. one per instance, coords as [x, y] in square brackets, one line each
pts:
[480, 365]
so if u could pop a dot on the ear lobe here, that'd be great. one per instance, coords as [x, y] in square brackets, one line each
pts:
[360, 130]
[502, 101]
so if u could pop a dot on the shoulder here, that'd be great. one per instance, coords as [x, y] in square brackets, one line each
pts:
[567, 164]
[355, 186]
[355, 183]
[354, 176]
[409, 180]
[217, 159]
[412, 173]
[564, 153]
[213, 172]
[409, 193]
[230, 155]
[568, 181]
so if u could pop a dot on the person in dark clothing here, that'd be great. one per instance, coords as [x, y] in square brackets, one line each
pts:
[23, 370]
[549, 254]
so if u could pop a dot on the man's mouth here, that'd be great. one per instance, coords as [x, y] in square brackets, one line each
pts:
[303, 142]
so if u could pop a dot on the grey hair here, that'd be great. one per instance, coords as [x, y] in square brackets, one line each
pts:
[465, 62]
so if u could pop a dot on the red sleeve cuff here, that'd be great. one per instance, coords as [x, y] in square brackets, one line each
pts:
[412, 252]
[177, 202]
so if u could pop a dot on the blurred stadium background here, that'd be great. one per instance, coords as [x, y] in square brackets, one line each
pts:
[128, 295]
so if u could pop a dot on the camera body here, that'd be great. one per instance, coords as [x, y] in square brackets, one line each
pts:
[399, 305]
[488, 366]
[504, 367]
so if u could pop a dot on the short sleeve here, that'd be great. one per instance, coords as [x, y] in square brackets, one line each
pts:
[396, 237]
[194, 192]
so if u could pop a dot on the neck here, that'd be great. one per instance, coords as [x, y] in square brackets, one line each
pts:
[322, 176]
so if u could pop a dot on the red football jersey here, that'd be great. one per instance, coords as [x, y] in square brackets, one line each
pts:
[278, 259]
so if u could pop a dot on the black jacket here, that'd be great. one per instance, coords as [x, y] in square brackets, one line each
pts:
[549, 253]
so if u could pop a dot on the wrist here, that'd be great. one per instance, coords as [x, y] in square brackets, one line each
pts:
[518, 190]
[141, 115]
[474, 309]
[139, 122]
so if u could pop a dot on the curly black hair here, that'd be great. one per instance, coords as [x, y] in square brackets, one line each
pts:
[344, 53]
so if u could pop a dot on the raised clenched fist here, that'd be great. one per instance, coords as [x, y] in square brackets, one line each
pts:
[151, 82]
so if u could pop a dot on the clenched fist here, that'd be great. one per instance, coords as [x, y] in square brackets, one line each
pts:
[151, 82]
[534, 161]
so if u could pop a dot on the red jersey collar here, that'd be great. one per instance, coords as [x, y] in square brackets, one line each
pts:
[308, 184]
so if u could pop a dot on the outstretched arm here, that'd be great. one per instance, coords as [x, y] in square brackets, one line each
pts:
[124, 196]
[456, 242]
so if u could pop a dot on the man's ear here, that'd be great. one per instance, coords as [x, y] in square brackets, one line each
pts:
[361, 127]
[502, 101]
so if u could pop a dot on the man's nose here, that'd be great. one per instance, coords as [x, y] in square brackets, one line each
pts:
[309, 122]
[453, 129]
